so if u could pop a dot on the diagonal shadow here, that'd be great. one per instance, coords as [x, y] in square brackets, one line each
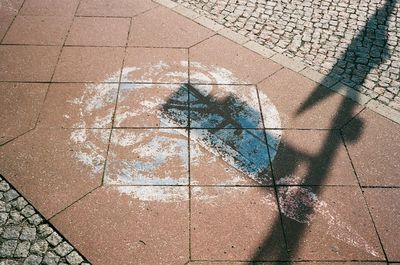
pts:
[372, 38]
[247, 148]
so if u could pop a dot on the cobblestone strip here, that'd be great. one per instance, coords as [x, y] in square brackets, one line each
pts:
[317, 34]
[26, 238]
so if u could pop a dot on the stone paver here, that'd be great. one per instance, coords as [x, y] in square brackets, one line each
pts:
[40, 30]
[25, 237]
[150, 139]
[319, 32]
[169, 30]
[96, 31]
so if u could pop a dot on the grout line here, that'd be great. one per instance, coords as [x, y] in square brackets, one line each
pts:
[74, 202]
[363, 196]
[12, 22]
[280, 214]
[116, 103]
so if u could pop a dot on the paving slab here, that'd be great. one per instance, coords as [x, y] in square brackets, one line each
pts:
[40, 30]
[230, 223]
[27, 63]
[118, 225]
[114, 8]
[385, 209]
[49, 7]
[147, 105]
[89, 64]
[156, 65]
[241, 62]
[169, 30]
[79, 105]
[290, 91]
[99, 31]
[21, 104]
[321, 226]
[147, 157]
[218, 106]
[376, 151]
[59, 163]
[8, 11]
[300, 148]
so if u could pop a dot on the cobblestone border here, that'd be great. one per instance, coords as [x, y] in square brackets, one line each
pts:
[27, 238]
[293, 64]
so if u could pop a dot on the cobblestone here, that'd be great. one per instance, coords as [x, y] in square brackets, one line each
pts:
[26, 238]
[319, 33]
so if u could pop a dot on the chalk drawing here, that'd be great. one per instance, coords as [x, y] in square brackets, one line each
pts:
[149, 154]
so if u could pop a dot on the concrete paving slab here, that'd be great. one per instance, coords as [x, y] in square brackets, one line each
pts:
[168, 30]
[99, 31]
[44, 162]
[375, 152]
[89, 64]
[385, 209]
[49, 8]
[79, 105]
[323, 227]
[229, 223]
[27, 63]
[291, 93]
[155, 65]
[114, 8]
[241, 62]
[126, 223]
[21, 104]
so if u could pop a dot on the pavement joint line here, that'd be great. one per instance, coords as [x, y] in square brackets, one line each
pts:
[294, 63]
[363, 195]
[203, 40]
[12, 22]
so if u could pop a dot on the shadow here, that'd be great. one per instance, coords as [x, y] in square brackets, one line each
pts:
[244, 146]
[370, 41]
[228, 126]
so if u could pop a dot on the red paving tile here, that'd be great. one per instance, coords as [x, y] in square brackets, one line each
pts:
[20, 105]
[231, 65]
[27, 63]
[385, 209]
[49, 7]
[311, 157]
[143, 105]
[89, 64]
[79, 105]
[63, 165]
[325, 227]
[374, 146]
[117, 8]
[8, 11]
[147, 157]
[168, 30]
[39, 30]
[231, 223]
[96, 31]
[289, 91]
[123, 225]
[156, 65]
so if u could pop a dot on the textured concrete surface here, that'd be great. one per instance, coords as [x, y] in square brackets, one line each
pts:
[145, 137]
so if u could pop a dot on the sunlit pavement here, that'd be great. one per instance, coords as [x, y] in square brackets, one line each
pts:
[146, 138]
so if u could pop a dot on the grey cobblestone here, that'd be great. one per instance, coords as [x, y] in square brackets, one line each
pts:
[319, 32]
[26, 238]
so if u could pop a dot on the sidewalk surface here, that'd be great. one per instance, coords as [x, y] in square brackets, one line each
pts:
[145, 137]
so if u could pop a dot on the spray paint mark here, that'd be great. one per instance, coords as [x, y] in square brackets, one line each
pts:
[233, 139]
